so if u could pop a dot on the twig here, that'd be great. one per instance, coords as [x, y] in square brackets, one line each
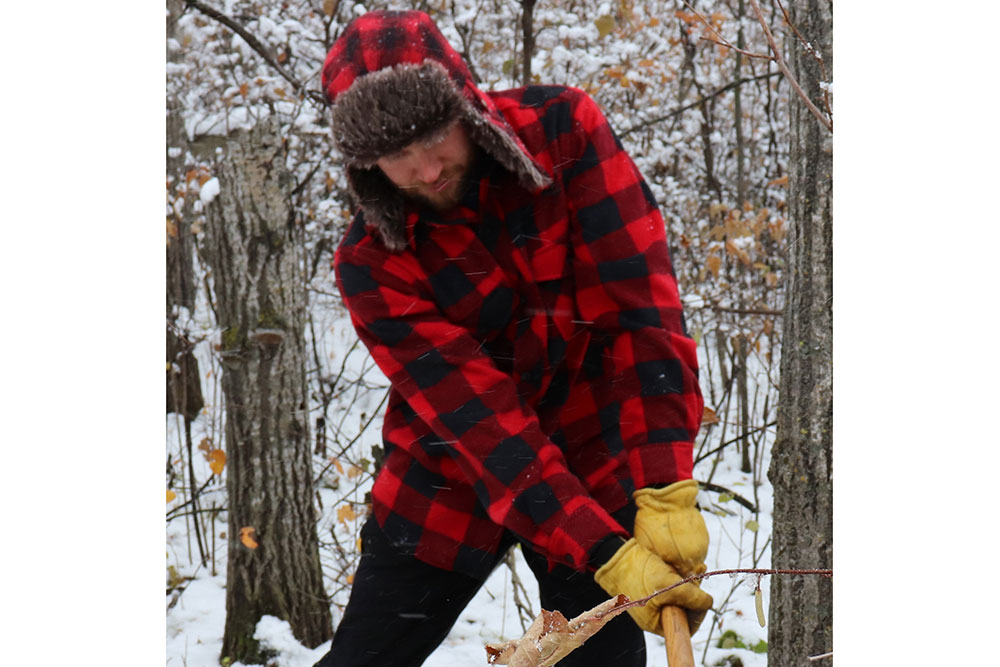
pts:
[375, 413]
[524, 611]
[204, 510]
[194, 484]
[814, 658]
[747, 311]
[824, 120]
[720, 40]
[312, 172]
[698, 577]
[313, 96]
[174, 511]
[734, 440]
[708, 486]
[748, 54]
[698, 102]
[811, 51]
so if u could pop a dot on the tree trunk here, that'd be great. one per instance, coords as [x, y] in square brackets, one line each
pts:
[801, 612]
[183, 379]
[180, 241]
[528, 38]
[274, 565]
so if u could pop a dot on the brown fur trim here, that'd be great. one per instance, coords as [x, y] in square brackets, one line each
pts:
[382, 203]
[385, 111]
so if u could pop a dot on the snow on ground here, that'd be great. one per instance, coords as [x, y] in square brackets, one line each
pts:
[195, 623]
[196, 618]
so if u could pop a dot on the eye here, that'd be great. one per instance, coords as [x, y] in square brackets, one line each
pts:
[397, 157]
[440, 135]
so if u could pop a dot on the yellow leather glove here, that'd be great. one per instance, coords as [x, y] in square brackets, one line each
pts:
[668, 524]
[638, 572]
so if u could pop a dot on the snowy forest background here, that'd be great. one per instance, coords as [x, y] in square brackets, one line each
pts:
[674, 98]
[89, 565]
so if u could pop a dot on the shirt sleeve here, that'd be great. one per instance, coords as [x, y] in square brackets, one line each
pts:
[519, 475]
[627, 289]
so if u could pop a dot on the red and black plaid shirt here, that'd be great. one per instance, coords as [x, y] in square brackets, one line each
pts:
[535, 344]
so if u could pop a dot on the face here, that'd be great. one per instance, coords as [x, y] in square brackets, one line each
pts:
[432, 172]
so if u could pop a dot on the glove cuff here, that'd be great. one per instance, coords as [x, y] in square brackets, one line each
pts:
[604, 573]
[676, 496]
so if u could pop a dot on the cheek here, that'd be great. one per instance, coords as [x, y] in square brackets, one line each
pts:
[460, 151]
[396, 171]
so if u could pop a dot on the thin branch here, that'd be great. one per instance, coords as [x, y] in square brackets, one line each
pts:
[748, 54]
[698, 577]
[375, 413]
[708, 486]
[806, 45]
[814, 658]
[305, 181]
[312, 95]
[174, 510]
[824, 120]
[720, 40]
[734, 440]
[697, 102]
[524, 612]
[811, 51]
[747, 311]
[203, 510]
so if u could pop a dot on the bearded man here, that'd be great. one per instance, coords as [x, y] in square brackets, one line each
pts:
[508, 270]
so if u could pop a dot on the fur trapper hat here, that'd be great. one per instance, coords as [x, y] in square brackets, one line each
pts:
[394, 79]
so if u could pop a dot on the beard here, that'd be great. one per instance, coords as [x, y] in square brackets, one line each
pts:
[446, 193]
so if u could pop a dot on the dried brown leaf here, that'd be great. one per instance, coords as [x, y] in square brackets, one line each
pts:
[247, 537]
[346, 514]
[605, 25]
[714, 263]
[216, 461]
[550, 638]
[708, 416]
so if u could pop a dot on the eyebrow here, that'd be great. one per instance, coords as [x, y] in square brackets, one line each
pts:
[398, 155]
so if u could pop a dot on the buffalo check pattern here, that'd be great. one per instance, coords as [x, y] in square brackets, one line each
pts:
[535, 344]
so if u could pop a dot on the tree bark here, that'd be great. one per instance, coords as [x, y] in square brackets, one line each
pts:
[274, 568]
[180, 246]
[183, 378]
[528, 38]
[801, 611]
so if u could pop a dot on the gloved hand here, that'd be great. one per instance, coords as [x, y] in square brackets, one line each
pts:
[668, 524]
[638, 572]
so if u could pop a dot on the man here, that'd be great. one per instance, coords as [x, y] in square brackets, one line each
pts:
[509, 272]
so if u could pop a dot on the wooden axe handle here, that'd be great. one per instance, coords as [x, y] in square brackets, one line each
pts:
[678, 635]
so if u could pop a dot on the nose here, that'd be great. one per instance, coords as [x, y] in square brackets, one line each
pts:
[428, 168]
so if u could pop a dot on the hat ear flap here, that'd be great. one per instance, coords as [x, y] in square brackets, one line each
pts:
[382, 204]
[498, 144]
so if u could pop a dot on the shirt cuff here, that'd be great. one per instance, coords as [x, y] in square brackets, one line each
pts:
[604, 550]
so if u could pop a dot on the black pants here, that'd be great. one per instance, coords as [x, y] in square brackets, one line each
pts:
[400, 609]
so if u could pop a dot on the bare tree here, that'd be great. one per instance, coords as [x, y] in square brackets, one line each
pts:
[528, 37]
[801, 615]
[184, 395]
[274, 566]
